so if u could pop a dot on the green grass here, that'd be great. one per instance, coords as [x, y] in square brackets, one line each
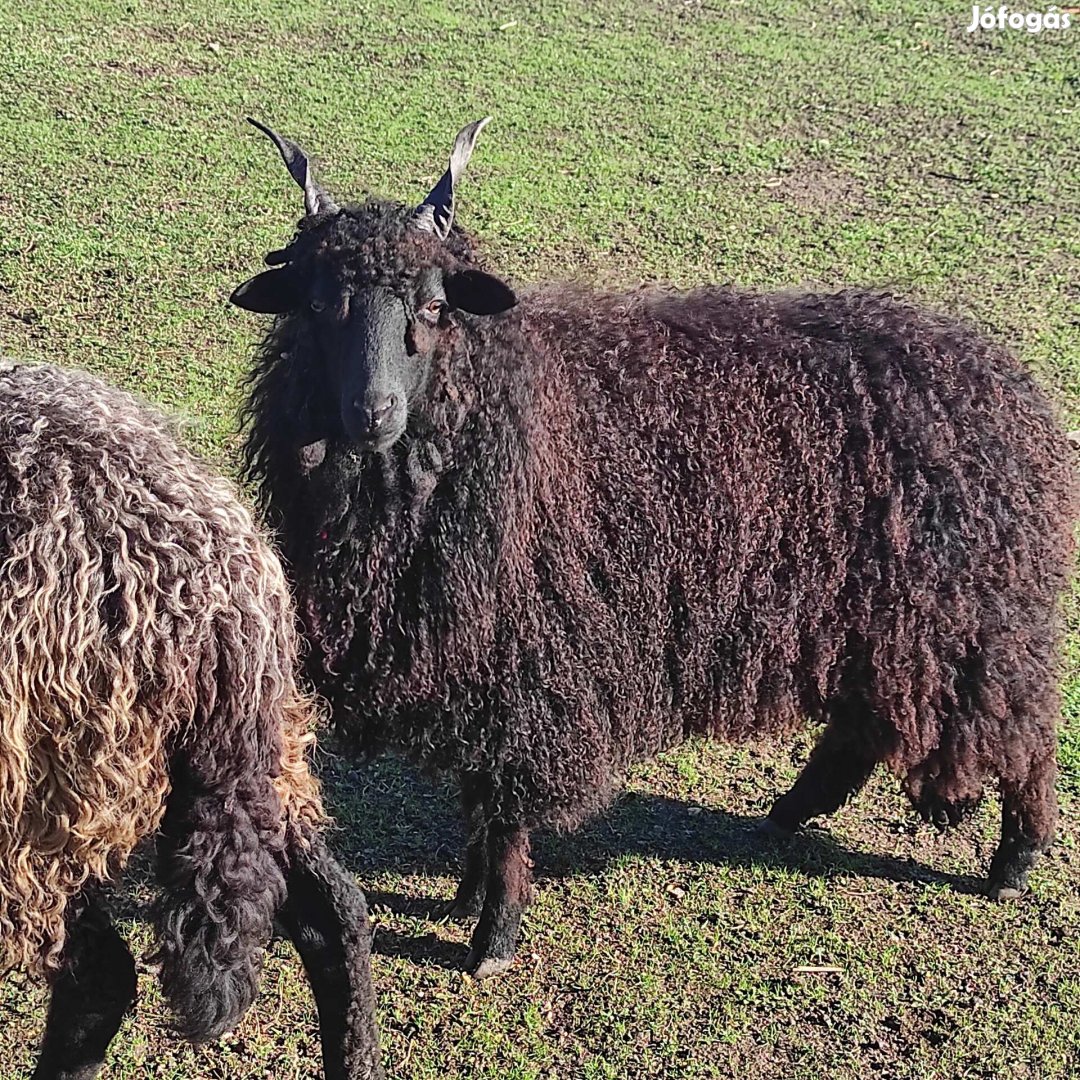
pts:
[767, 145]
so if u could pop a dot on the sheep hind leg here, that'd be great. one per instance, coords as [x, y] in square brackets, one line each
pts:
[838, 768]
[326, 918]
[509, 891]
[468, 902]
[89, 998]
[1028, 817]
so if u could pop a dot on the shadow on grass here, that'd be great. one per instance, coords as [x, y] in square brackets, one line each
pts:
[665, 828]
[393, 821]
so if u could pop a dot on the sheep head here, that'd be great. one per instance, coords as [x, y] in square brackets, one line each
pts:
[375, 292]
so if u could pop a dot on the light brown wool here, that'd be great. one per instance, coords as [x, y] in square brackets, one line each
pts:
[142, 613]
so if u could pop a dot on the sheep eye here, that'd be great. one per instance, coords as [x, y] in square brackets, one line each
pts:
[318, 305]
[432, 310]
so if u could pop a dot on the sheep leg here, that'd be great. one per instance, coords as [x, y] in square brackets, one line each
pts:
[468, 901]
[89, 998]
[326, 918]
[509, 890]
[837, 769]
[1028, 816]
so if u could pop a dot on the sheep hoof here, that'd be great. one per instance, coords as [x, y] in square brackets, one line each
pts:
[459, 911]
[773, 830]
[487, 966]
[1005, 893]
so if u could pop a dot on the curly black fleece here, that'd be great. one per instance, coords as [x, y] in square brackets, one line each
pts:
[617, 520]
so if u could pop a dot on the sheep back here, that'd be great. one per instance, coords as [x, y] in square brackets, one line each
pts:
[621, 520]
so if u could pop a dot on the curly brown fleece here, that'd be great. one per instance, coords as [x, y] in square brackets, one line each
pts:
[616, 520]
[146, 634]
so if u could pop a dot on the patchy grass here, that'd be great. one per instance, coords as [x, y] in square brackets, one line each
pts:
[632, 139]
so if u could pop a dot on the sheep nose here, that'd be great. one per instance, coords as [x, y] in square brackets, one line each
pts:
[377, 412]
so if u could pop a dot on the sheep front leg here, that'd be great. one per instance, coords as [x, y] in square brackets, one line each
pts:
[468, 902]
[509, 891]
[838, 767]
[326, 918]
[89, 998]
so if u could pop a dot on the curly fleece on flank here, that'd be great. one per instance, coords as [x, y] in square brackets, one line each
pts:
[618, 520]
[147, 649]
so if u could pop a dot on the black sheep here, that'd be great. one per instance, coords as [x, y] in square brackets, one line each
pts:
[539, 539]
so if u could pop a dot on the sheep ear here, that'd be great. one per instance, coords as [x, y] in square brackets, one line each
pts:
[436, 213]
[271, 293]
[478, 293]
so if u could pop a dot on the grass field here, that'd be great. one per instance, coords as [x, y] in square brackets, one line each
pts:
[727, 141]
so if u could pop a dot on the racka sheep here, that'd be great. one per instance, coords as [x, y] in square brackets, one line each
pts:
[147, 686]
[538, 539]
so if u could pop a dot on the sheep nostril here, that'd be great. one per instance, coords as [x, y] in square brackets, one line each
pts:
[377, 415]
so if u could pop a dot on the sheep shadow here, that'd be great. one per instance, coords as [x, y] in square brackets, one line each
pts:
[394, 821]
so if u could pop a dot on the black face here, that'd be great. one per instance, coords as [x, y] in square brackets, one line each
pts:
[378, 346]
[376, 343]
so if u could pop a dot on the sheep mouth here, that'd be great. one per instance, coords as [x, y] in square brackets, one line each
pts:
[378, 442]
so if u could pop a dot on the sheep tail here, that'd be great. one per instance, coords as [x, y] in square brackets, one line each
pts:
[220, 860]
